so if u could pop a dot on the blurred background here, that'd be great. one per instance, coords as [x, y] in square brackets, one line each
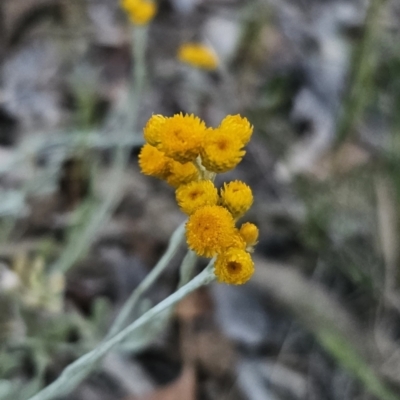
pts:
[80, 227]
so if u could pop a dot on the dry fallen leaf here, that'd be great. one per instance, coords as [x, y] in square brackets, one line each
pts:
[201, 342]
[215, 353]
[195, 305]
[345, 159]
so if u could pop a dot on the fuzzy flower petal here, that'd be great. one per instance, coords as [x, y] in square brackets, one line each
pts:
[234, 266]
[249, 232]
[194, 195]
[140, 12]
[181, 174]
[237, 197]
[153, 162]
[221, 151]
[182, 137]
[237, 241]
[198, 55]
[210, 230]
[237, 126]
[152, 130]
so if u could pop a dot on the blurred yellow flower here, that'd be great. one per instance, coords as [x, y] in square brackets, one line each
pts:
[140, 12]
[234, 266]
[181, 174]
[153, 162]
[237, 197]
[181, 137]
[210, 230]
[221, 151]
[249, 232]
[237, 126]
[198, 55]
[152, 130]
[194, 195]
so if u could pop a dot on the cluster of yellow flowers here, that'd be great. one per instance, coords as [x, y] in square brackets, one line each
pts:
[198, 55]
[187, 154]
[140, 12]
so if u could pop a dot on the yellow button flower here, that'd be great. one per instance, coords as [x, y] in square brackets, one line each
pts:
[221, 151]
[152, 130]
[194, 195]
[198, 55]
[237, 241]
[182, 137]
[249, 232]
[237, 126]
[181, 174]
[210, 230]
[237, 197]
[234, 266]
[153, 162]
[140, 12]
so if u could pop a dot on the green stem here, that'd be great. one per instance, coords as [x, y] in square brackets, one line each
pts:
[126, 311]
[362, 73]
[100, 213]
[187, 268]
[76, 371]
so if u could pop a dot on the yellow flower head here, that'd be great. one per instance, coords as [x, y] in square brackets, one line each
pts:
[153, 162]
[194, 195]
[237, 126]
[182, 137]
[198, 55]
[181, 174]
[234, 266]
[140, 12]
[237, 197]
[152, 130]
[221, 151]
[210, 230]
[249, 232]
[237, 241]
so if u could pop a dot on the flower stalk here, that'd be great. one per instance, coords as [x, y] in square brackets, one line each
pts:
[78, 370]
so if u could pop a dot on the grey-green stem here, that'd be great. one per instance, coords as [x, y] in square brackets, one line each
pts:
[126, 311]
[75, 372]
